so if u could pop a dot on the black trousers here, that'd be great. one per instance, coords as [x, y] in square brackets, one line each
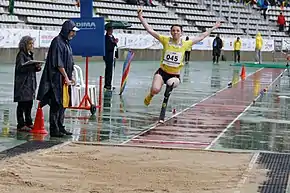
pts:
[281, 27]
[187, 56]
[56, 113]
[264, 13]
[56, 117]
[108, 73]
[24, 107]
[237, 55]
[216, 55]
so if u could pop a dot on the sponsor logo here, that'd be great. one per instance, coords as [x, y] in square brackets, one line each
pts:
[86, 25]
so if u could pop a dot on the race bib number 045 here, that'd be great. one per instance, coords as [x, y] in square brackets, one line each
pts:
[172, 59]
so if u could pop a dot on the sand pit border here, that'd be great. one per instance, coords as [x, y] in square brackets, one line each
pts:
[247, 172]
[162, 148]
[40, 151]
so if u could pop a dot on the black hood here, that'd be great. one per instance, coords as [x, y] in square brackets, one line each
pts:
[67, 26]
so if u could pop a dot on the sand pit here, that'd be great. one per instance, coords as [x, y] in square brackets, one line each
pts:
[96, 169]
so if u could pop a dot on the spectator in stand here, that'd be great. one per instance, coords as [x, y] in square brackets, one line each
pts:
[281, 21]
[78, 4]
[148, 2]
[140, 2]
[272, 2]
[263, 4]
[264, 8]
[132, 2]
[280, 2]
[251, 2]
[11, 7]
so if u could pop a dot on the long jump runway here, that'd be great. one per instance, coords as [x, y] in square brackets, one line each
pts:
[200, 126]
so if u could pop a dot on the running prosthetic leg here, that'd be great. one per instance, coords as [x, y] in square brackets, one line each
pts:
[164, 103]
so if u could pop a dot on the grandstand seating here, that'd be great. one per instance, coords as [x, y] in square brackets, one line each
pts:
[272, 15]
[194, 15]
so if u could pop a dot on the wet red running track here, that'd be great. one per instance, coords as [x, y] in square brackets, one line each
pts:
[201, 124]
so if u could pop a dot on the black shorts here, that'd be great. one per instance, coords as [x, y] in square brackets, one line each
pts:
[166, 76]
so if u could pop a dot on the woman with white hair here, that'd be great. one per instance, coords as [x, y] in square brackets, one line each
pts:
[25, 83]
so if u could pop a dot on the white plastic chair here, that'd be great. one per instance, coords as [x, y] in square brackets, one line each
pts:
[78, 90]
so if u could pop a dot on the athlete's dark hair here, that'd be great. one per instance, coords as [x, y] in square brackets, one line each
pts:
[177, 25]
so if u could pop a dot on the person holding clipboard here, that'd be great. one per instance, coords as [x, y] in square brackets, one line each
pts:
[25, 83]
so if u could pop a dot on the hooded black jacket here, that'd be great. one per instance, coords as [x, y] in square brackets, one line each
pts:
[59, 55]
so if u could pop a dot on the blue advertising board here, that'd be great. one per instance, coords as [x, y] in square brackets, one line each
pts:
[90, 40]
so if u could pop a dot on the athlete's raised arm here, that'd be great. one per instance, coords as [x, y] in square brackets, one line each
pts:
[205, 34]
[148, 28]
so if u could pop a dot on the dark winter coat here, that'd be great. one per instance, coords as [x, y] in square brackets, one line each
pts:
[217, 46]
[109, 49]
[217, 43]
[25, 78]
[59, 55]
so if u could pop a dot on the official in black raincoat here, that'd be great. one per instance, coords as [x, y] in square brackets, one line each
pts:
[217, 46]
[57, 71]
[25, 83]
[110, 54]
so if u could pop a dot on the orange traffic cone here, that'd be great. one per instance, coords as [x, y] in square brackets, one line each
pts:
[38, 127]
[38, 137]
[243, 73]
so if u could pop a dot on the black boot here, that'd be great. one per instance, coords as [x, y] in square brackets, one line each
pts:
[56, 134]
[63, 131]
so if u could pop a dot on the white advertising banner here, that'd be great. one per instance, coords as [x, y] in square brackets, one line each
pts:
[9, 38]
[140, 41]
[45, 38]
[286, 44]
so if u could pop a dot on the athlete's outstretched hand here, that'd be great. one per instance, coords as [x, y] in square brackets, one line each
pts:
[217, 25]
[148, 28]
[140, 12]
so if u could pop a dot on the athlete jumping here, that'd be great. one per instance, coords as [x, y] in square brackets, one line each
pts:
[172, 57]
